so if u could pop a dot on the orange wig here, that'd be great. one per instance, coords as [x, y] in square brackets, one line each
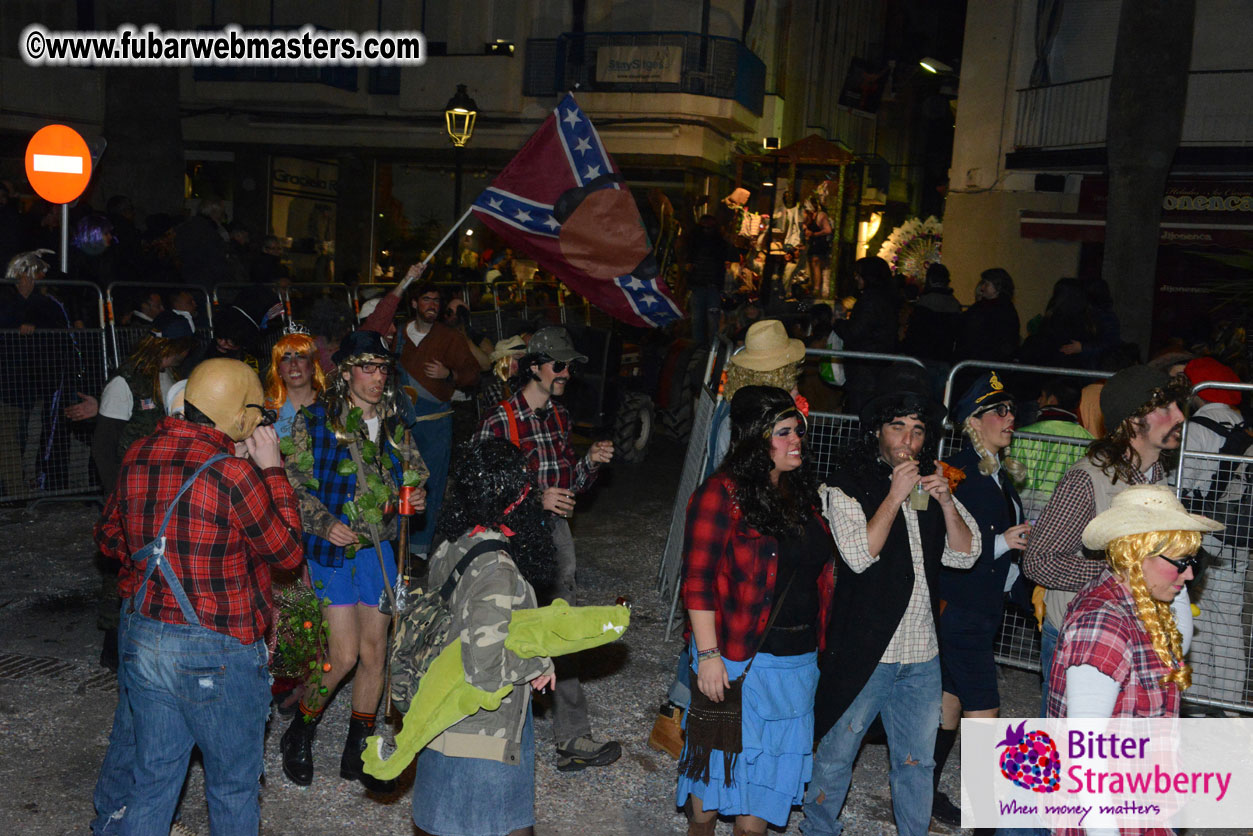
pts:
[275, 388]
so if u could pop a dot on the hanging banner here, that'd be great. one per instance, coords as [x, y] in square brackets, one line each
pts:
[639, 64]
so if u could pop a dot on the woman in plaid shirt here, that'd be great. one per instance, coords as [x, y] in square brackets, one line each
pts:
[755, 539]
[1120, 652]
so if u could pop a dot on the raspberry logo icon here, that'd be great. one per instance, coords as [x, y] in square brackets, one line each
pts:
[1030, 759]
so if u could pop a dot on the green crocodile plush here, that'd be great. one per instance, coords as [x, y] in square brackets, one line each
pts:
[444, 698]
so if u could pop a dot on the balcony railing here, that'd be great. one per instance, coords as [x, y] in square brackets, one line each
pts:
[703, 65]
[1073, 114]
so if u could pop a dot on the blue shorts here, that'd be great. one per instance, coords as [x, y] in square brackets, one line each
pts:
[358, 581]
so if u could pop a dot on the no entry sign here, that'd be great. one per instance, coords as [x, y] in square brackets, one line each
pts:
[58, 164]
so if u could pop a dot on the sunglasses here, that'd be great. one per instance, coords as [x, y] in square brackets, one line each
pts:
[1002, 409]
[559, 366]
[1194, 563]
[268, 416]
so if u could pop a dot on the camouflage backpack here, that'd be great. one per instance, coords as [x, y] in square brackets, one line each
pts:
[422, 628]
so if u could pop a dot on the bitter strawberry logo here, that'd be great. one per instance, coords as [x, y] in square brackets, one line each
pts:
[1030, 759]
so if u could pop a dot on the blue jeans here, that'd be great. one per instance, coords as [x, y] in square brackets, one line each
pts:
[908, 697]
[116, 778]
[681, 688]
[434, 440]
[189, 686]
[1048, 646]
[704, 304]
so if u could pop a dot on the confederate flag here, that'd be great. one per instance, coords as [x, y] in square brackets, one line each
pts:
[562, 201]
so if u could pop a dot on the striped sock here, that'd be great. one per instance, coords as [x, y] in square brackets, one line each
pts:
[368, 719]
[310, 713]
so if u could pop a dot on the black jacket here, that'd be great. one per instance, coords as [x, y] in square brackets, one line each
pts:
[867, 606]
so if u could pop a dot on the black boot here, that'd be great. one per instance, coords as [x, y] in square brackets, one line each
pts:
[297, 749]
[351, 765]
[942, 809]
[108, 650]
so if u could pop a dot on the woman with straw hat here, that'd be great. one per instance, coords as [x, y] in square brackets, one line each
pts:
[1121, 648]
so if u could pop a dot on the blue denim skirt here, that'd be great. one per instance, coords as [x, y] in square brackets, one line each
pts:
[777, 760]
[475, 797]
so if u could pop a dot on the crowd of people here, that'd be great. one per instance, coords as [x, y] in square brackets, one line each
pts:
[927, 555]
[224, 464]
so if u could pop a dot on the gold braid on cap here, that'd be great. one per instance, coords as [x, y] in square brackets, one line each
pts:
[783, 378]
[1126, 556]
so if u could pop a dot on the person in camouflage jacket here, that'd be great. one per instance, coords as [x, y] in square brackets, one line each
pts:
[479, 775]
[348, 524]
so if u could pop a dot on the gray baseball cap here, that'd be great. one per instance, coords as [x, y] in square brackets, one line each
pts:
[555, 343]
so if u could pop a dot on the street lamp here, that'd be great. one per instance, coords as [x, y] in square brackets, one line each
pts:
[459, 116]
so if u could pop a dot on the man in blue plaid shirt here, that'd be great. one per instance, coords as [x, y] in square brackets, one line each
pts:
[541, 428]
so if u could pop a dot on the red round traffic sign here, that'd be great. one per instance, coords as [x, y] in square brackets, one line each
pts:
[58, 164]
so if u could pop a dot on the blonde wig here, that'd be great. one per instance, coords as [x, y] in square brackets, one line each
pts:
[275, 388]
[988, 461]
[1126, 557]
[784, 378]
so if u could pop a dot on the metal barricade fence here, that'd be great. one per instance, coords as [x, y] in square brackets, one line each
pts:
[43, 454]
[124, 338]
[828, 433]
[1220, 485]
[1046, 458]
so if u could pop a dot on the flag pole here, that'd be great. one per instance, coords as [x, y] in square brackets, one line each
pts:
[408, 280]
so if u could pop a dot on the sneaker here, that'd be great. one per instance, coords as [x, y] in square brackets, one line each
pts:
[583, 752]
[945, 811]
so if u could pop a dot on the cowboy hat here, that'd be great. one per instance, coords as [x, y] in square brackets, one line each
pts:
[1139, 510]
[767, 347]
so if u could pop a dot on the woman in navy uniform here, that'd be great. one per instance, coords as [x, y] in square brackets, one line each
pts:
[971, 600]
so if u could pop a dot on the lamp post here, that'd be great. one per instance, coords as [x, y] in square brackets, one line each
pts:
[459, 116]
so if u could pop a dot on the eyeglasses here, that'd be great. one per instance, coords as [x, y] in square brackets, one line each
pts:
[1193, 562]
[268, 416]
[1002, 410]
[372, 368]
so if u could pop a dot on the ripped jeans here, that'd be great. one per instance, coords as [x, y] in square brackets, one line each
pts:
[189, 686]
[908, 697]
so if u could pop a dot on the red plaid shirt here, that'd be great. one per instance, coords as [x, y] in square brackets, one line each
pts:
[228, 529]
[545, 440]
[730, 568]
[1103, 629]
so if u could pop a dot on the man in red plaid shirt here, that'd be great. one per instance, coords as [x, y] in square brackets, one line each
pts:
[196, 608]
[541, 427]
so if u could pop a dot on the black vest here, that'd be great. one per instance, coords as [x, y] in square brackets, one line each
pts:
[867, 606]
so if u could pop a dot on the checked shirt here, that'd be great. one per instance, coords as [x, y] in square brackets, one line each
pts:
[227, 530]
[730, 569]
[1103, 629]
[545, 438]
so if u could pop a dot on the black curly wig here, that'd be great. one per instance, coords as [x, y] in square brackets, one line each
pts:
[861, 458]
[773, 510]
[486, 481]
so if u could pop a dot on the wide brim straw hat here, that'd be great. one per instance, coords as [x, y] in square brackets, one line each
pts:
[767, 347]
[508, 347]
[1139, 510]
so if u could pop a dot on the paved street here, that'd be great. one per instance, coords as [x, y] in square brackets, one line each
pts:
[56, 703]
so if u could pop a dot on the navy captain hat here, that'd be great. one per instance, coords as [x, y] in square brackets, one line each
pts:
[987, 391]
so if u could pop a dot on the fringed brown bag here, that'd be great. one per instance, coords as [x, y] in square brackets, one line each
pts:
[719, 725]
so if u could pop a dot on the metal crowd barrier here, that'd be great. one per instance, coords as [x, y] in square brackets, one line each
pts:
[1223, 631]
[42, 453]
[124, 338]
[828, 433]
